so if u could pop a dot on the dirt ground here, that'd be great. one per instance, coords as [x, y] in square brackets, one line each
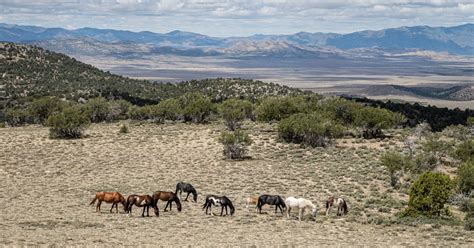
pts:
[47, 185]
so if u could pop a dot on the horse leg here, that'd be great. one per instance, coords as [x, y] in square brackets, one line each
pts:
[226, 210]
[130, 210]
[148, 211]
[276, 206]
[222, 209]
[143, 213]
[288, 210]
[300, 213]
[113, 204]
[187, 196]
[97, 209]
[166, 206]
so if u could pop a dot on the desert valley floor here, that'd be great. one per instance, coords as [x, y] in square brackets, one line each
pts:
[47, 185]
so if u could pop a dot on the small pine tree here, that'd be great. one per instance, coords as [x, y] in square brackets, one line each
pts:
[428, 194]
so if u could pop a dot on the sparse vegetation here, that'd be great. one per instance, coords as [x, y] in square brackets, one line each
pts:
[235, 144]
[466, 177]
[234, 111]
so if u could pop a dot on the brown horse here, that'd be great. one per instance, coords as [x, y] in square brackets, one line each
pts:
[168, 196]
[110, 197]
[144, 201]
[339, 202]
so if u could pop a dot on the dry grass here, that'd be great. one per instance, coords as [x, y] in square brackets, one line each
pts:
[46, 186]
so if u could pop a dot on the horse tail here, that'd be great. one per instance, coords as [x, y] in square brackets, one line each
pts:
[327, 204]
[93, 200]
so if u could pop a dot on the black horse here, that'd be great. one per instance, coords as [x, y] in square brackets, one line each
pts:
[271, 200]
[222, 200]
[188, 188]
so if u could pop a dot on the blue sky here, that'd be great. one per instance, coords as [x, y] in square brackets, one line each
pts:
[237, 17]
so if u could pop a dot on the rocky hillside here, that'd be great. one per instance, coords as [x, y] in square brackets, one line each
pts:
[29, 71]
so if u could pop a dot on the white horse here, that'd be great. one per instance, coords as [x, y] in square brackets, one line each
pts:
[301, 204]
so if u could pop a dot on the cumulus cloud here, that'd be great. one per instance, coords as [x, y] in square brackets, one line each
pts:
[237, 17]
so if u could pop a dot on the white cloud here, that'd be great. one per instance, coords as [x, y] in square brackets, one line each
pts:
[238, 17]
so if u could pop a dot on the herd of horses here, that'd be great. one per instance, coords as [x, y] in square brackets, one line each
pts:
[147, 202]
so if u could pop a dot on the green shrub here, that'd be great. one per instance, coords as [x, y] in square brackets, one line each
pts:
[41, 108]
[278, 108]
[68, 124]
[118, 110]
[235, 144]
[195, 107]
[464, 151]
[17, 117]
[469, 218]
[424, 162]
[428, 194]
[234, 111]
[97, 109]
[374, 120]
[466, 177]
[123, 129]
[436, 146]
[343, 110]
[140, 113]
[169, 109]
[315, 129]
[396, 163]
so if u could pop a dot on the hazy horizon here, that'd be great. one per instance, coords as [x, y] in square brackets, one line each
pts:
[237, 18]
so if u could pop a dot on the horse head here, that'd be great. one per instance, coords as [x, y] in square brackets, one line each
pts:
[178, 204]
[195, 195]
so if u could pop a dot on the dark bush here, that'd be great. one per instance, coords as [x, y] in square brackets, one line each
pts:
[68, 124]
[235, 144]
[17, 117]
[428, 194]
[315, 129]
[234, 111]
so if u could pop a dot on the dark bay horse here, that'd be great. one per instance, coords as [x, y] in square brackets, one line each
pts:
[144, 201]
[340, 203]
[110, 197]
[271, 200]
[168, 196]
[222, 200]
[187, 188]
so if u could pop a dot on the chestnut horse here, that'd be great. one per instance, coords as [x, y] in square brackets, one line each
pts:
[110, 197]
[168, 196]
[144, 201]
[251, 201]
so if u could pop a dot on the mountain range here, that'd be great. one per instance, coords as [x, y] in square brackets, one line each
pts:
[456, 40]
